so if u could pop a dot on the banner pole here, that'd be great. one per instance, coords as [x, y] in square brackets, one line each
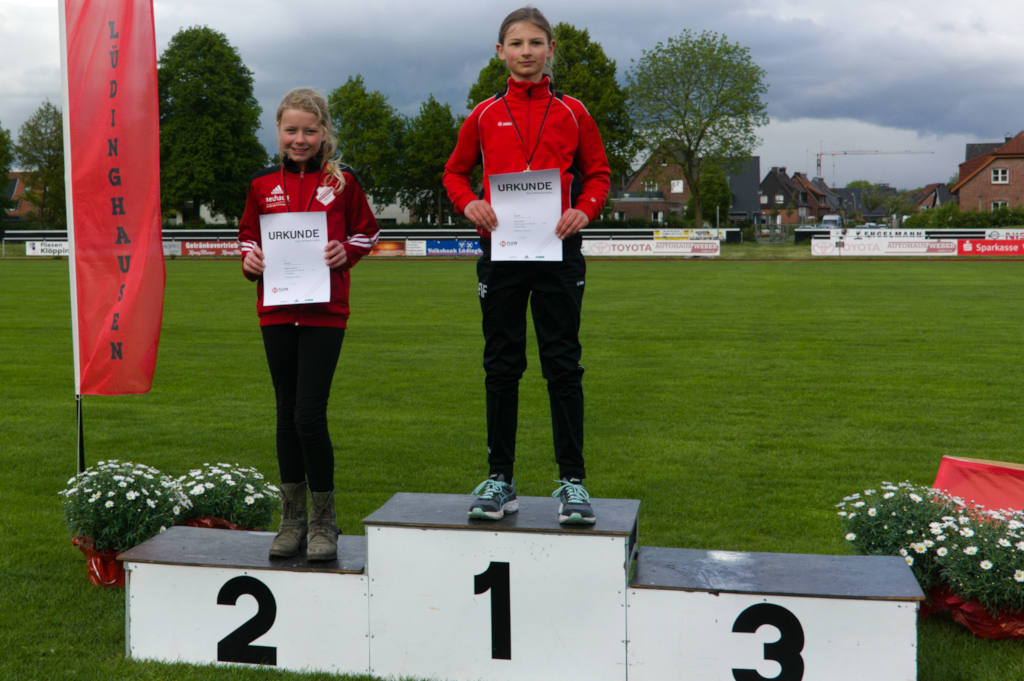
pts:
[81, 438]
[69, 200]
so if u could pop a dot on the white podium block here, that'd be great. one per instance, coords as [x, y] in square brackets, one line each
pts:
[730, 616]
[522, 598]
[214, 596]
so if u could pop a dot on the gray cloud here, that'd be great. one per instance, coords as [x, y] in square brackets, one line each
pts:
[862, 75]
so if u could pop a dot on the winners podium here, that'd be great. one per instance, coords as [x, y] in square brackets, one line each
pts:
[428, 593]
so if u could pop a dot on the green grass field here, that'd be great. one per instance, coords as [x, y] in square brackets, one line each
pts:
[738, 399]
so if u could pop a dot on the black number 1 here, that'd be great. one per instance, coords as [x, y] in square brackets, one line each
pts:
[785, 651]
[495, 579]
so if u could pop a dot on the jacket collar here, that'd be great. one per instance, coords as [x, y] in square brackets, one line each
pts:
[313, 165]
[523, 87]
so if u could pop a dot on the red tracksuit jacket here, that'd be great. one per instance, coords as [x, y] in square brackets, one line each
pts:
[349, 220]
[566, 132]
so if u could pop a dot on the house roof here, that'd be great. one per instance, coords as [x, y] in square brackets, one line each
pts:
[1012, 148]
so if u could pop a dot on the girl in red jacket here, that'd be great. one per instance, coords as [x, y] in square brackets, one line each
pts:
[529, 126]
[303, 341]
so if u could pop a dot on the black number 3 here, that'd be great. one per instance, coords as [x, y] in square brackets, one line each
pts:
[235, 647]
[785, 651]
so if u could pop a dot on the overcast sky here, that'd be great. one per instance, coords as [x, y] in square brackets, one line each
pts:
[875, 75]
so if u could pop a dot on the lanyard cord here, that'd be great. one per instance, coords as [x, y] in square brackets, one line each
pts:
[284, 186]
[522, 143]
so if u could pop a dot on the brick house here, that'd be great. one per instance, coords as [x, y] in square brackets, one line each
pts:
[993, 177]
[658, 190]
[796, 200]
[933, 196]
[15, 192]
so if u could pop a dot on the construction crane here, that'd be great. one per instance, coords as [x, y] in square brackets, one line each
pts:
[862, 152]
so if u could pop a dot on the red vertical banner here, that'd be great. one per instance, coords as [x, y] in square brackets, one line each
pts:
[112, 168]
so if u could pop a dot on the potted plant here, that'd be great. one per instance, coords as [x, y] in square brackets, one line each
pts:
[968, 559]
[114, 505]
[229, 496]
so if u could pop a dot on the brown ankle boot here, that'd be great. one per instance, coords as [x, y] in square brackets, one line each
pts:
[293, 521]
[323, 528]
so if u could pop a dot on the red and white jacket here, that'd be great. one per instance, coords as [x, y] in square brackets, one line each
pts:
[349, 220]
[556, 129]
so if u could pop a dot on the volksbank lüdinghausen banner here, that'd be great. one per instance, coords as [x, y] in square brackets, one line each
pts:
[112, 170]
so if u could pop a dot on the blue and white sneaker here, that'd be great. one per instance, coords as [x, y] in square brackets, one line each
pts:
[574, 503]
[495, 498]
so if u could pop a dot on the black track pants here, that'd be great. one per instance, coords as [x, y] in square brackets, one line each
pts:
[554, 292]
[302, 360]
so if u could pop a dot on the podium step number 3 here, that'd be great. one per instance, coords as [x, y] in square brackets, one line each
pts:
[428, 593]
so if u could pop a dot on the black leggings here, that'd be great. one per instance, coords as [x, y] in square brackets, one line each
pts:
[302, 360]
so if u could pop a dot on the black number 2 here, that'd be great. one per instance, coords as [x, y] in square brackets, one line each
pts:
[785, 651]
[495, 579]
[236, 646]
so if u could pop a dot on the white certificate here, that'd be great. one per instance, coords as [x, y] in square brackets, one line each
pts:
[528, 206]
[293, 252]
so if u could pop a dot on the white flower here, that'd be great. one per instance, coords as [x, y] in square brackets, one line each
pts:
[1018, 576]
[888, 495]
[966, 532]
[985, 565]
[150, 503]
[1004, 542]
[971, 550]
[176, 509]
[859, 504]
[131, 494]
[910, 560]
[209, 485]
[915, 498]
[109, 504]
[941, 551]
[197, 490]
[850, 536]
[872, 512]
[250, 500]
[919, 547]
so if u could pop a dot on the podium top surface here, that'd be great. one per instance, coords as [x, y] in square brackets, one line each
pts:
[615, 517]
[779, 574]
[205, 547]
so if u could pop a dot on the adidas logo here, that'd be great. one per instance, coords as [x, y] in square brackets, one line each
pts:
[277, 190]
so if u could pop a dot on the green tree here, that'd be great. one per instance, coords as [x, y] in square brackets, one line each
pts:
[698, 99]
[40, 151]
[6, 160]
[209, 122]
[582, 70]
[370, 137]
[430, 137]
[716, 194]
